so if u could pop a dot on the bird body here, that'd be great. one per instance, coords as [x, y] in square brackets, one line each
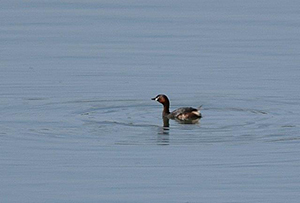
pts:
[181, 114]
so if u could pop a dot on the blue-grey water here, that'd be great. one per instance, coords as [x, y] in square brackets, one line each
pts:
[77, 123]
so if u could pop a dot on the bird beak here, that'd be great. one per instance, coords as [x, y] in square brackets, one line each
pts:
[153, 98]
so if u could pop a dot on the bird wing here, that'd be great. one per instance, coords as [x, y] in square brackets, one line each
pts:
[183, 110]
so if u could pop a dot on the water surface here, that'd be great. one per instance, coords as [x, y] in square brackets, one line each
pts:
[77, 123]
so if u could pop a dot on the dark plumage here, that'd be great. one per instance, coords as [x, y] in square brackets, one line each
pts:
[181, 114]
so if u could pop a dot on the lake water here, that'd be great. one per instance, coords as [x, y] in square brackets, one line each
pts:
[77, 123]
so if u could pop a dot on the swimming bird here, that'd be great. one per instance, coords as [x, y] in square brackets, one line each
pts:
[181, 114]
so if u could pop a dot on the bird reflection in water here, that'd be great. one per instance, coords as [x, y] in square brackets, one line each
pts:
[163, 134]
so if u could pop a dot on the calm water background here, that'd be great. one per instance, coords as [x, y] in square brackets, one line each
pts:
[77, 123]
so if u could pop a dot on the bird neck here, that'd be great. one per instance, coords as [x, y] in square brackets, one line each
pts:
[166, 110]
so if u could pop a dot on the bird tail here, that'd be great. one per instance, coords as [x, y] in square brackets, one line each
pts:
[199, 108]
